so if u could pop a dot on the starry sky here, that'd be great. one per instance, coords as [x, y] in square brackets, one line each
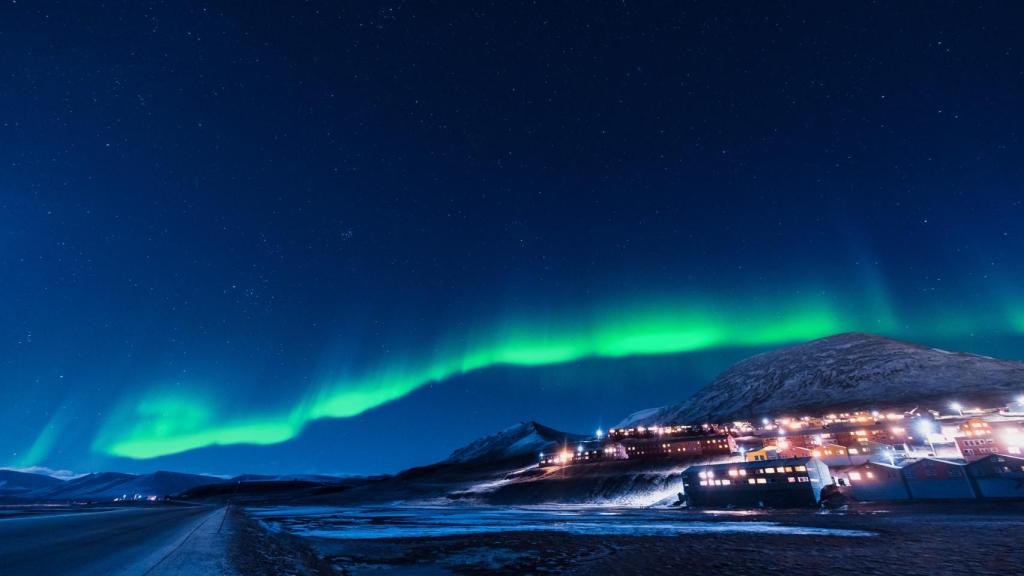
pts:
[350, 237]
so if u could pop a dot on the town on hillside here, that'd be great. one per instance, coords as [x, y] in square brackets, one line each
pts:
[957, 452]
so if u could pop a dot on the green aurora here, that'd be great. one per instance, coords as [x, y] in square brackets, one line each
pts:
[167, 421]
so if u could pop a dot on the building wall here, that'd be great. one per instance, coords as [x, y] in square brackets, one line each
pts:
[946, 481]
[783, 484]
[998, 477]
[870, 483]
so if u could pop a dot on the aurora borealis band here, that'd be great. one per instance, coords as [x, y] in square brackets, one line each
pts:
[352, 237]
[164, 425]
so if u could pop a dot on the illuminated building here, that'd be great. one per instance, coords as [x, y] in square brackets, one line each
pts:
[773, 484]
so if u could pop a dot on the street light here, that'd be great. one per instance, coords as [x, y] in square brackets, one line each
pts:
[925, 427]
[600, 434]
[958, 407]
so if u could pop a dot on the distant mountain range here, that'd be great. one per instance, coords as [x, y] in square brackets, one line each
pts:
[103, 486]
[842, 371]
[108, 486]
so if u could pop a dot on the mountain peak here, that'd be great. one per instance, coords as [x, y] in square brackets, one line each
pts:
[521, 440]
[852, 369]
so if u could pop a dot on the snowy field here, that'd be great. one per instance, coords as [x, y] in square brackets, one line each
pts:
[380, 522]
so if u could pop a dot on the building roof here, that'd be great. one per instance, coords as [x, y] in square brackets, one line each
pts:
[991, 456]
[753, 464]
[880, 464]
[939, 460]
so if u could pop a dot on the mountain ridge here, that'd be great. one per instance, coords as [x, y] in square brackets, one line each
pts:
[851, 369]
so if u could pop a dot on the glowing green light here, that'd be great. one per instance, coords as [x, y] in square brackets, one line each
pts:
[169, 424]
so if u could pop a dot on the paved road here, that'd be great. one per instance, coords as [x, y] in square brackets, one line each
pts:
[127, 541]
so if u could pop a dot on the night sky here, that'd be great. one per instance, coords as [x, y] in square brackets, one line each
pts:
[350, 237]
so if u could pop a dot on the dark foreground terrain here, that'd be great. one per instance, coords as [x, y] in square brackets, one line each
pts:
[150, 540]
[457, 539]
[906, 540]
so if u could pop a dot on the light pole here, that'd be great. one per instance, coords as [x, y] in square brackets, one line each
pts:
[925, 428]
[958, 407]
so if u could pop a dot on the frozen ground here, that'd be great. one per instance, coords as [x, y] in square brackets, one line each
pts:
[156, 541]
[907, 540]
[377, 522]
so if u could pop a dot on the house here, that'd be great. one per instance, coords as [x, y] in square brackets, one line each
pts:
[677, 446]
[874, 482]
[789, 483]
[977, 438]
[762, 455]
[830, 454]
[998, 476]
[935, 479]
[745, 444]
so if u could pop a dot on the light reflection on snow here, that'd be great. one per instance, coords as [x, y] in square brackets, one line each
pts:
[364, 523]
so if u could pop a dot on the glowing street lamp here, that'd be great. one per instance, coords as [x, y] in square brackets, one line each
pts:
[958, 407]
[925, 428]
[600, 434]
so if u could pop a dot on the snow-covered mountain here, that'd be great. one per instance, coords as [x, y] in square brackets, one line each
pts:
[15, 484]
[111, 485]
[524, 440]
[845, 370]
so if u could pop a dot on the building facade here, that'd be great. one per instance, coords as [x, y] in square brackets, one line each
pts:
[791, 483]
[875, 482]
[935, 479]
[998, 476]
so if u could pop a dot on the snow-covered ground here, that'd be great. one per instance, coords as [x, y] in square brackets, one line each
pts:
[377, 522]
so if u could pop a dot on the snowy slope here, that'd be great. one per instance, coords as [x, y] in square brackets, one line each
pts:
[110, 485]
[524, 440]
[858, 370]
[14, 484]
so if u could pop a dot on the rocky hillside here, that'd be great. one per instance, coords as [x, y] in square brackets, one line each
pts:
[846, 370]
[522, 441]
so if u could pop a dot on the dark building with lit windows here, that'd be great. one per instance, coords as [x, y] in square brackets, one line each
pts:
[790, 483]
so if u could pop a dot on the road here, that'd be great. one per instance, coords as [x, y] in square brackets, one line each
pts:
[149, 541]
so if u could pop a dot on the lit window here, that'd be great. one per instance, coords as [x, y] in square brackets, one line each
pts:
[743, 472]
[805, 479]
[733, 473]
[791, 479]
[762, 481]
[726, 482]
[703, 482]
[769, 470]
[789, 468]
[854, 475]
[871, 474]
[801, 468]
[751, 481]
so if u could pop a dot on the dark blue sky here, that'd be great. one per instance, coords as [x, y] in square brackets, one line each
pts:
[226, 224]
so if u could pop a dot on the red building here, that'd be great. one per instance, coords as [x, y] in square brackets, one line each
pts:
[977, 438]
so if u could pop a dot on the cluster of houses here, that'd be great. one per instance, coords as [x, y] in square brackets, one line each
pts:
[869, 456]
